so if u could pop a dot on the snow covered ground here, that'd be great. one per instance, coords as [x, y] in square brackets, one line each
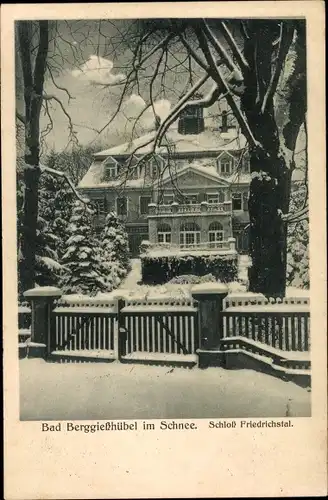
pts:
[134, 276]
[121, 391]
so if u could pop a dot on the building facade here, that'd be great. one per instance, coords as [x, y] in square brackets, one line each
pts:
[190, 190]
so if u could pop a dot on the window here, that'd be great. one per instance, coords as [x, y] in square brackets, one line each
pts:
[225, 163]
[144, 202]
[164, 233]
[192, 112]
[215, 233]
[110, 168]
[190, 199]
[237, 203]
[153, 167]
[246, 165]
[225, 166]
[122, 205]
[168, 199]
[99, 204]
[189, 235]
[215, 197]
[132, 168]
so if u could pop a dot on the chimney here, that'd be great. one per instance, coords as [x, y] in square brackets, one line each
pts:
[224, 127]
[228, 131]
[191, 119]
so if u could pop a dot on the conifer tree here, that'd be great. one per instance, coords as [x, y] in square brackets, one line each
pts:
[48, 267]
[114, 250]
[83, 270]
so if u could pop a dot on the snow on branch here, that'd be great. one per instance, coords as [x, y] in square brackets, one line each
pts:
[179, 107]
[225, 86]
[21, 118]
[286, 38]
[234, 47]
[59, 173]
[48, 97]
[296, 216]
[221, 50]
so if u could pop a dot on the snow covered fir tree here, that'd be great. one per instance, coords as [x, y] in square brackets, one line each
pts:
[82, 263]
[115, 250]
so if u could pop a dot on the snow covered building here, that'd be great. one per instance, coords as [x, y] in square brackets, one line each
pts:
[193, 190]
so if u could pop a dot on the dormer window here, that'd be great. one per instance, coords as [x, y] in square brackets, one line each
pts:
[246, 164]
[225, 164]
[154, 166]
[191, 119]
[110, 169]
[133, 167]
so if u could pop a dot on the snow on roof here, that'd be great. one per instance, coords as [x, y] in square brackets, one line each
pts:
[208, 171]
[175, 144]
[180, 143]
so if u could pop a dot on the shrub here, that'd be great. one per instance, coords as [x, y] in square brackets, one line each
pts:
[161, 269]
[191, 279]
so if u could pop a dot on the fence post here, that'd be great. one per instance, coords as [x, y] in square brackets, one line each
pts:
[210, 298]
[121, 340]
[42, 304]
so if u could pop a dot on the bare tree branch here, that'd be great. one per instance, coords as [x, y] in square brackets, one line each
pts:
[72, 133]
[286, 38]
[234, 47]
[21, 118]
[221, 50]
[224, 86]
[64, 176]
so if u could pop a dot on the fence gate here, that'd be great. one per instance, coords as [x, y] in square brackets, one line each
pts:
[161, 333]
[83, 333]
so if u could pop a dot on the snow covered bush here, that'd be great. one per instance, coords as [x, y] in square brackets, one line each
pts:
[298, 245]
[56, 201]
[48, 267]
[158, 269]
[114, 251]
[83, 270]
[192, 279]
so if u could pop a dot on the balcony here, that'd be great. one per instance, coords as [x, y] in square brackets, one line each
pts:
[225, 247]
[190, 209]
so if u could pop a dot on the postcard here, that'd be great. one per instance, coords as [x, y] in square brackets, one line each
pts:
[164, 250]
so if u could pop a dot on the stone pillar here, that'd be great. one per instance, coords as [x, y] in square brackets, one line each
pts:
[174, 207]
[210, 298]
[152, 228]
[42, 304]
[122, 333]
[175, 228]
[204, 206]
[232, 244]
[203, 229]
[152, 208]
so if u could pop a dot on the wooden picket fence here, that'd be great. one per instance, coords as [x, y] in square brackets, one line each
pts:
[167, 330]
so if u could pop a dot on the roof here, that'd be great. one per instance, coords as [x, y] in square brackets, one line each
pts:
[208, 172]
[207, 141]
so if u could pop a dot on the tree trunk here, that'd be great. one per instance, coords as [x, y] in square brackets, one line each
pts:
[269, 196]
[270, 184]
[29, 225]
[33, 95]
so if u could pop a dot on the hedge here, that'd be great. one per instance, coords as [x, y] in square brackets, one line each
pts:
[157, 270]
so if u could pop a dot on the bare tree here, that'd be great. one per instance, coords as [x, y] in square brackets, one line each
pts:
[259, 68]
[34, 39]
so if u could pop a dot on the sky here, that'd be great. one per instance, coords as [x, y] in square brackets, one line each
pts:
[82, 61]
[83, 57]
